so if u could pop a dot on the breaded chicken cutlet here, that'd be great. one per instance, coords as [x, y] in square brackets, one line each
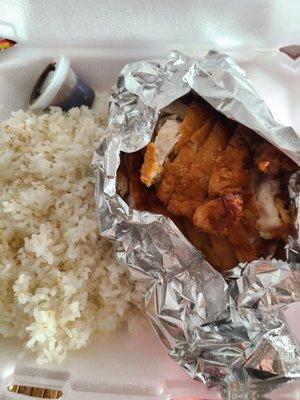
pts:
[222, 188]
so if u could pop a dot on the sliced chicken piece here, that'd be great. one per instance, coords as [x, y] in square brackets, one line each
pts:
[195, 117]
[192, 189]
[158, 151]
[273, 217]
[269, 218]
[176, 169]
[219, 216]
[270, 160]
[170, 134]
[150, 169]
[234, 216]
[249, 217]
[230, 172]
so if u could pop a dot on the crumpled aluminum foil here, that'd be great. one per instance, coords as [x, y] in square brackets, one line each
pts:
[228, 331]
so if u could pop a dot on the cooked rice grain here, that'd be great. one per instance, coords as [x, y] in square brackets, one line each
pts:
[59, 281]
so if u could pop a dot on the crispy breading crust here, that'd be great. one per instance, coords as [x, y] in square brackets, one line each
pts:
[230, 170]
[194, 119]
[192, 189]
[159, 151]
[150, 167]
[175, 170]
[219, 216]
[269, 160]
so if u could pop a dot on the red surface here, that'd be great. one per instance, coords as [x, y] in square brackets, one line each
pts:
[6, 43]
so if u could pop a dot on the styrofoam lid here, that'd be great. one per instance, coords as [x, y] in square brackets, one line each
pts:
[261, 24]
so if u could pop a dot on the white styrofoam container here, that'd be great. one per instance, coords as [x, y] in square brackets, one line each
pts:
[100, 37]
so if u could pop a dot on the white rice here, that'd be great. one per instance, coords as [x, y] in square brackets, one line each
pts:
[58, 280]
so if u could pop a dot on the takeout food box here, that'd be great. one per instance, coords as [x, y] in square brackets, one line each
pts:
[100, 39]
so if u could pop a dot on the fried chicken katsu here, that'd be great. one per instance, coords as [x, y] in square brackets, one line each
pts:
[191, 190]
[220, 182]
[197, 125]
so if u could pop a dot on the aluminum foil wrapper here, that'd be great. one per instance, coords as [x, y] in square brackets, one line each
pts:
[228, 331]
